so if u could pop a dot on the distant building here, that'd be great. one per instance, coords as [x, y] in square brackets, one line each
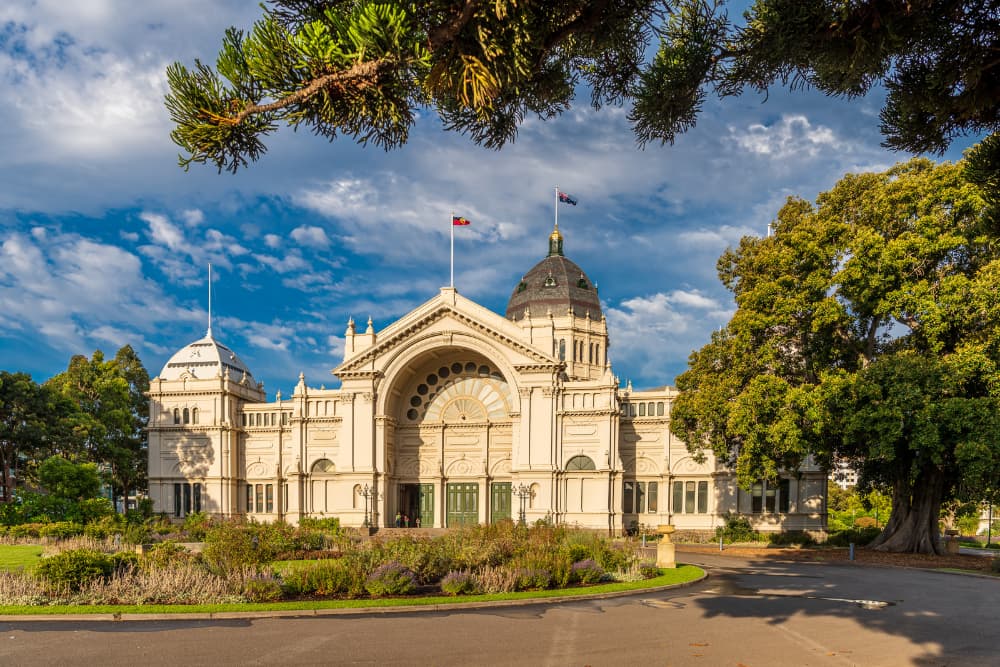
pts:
[452, 415]
[843, 474]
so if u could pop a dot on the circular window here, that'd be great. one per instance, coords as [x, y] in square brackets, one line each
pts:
[444, 372]
[470, 367]
[484, 371]
[422, 389]
[412, 414]
[415, 401]
[432, 379]
[456, 368]
[497, 375]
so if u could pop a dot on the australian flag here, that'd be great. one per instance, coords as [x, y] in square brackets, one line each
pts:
[567, 198]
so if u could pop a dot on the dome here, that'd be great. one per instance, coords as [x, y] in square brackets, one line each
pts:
[555, 284]
[203, 359]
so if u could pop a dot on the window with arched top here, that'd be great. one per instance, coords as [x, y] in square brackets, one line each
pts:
[580, 463]
[323, 466]
[177, 416]
[187, 416]
[194, 415]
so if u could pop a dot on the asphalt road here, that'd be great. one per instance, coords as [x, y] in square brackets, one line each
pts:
[747, 613]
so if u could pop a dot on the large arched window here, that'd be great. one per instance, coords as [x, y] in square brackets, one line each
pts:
[194, 415]
[177, 416]
[187, 416]
[580, 463]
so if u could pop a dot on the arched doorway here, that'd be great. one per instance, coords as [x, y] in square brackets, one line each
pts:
[449, 443]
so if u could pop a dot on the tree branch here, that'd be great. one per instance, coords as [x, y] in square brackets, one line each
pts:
[366, 73]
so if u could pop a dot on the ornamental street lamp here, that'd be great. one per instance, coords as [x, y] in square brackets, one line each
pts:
[371, 494]
[523, 493]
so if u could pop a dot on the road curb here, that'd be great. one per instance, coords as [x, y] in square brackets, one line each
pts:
[353, 611]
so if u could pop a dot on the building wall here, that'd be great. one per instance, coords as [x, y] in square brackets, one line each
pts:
[522, 428]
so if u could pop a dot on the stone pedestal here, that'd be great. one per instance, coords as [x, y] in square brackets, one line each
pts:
[665, 549]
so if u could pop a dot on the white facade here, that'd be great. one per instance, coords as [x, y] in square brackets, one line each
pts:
[452, 414]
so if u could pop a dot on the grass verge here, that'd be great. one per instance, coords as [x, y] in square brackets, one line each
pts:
[683, 574]
[18, 556]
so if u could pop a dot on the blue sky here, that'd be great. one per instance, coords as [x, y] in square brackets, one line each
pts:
[104, 240]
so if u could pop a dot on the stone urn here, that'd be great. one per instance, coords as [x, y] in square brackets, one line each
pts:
[665, 549]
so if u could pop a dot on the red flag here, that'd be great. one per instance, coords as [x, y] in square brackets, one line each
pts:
[459, 221]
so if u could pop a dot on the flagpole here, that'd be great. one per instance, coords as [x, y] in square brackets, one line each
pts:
[557, 207]
[452, 284]
[209, 299]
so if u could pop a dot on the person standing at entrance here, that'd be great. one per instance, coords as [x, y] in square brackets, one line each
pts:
[399, 520]
[416, 522]
[406, 521]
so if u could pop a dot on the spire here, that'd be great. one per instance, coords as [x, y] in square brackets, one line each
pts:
[209, 334]
[555, 242]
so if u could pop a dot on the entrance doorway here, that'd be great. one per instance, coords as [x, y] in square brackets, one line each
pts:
[417, 502]
[499, 501]
[463, 504]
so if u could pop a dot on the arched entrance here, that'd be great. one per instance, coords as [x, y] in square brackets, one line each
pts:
[448, 444]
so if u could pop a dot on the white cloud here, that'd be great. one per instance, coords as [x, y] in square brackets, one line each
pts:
[307, 235]
[272, 240]
[164, 232]
[293, 261]
[193, 217]
[792, 136]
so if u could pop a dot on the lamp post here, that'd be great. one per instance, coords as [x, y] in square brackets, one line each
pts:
[523, 493]
[371, 494]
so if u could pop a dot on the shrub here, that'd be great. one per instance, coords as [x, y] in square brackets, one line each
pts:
[497, 579]
[391, 579]
[164, 554]
[860, 536]
[20, 588]
[341, 576]
[329, 524]
[587, 571]
[737, 529]
[26, 530]
[864, 522]
[60, 530]
[530, 579]
[104, 527]
[135, 533]
[263, 587]
[459, 583]
[196, 525]
[791, 537]
[73, 569]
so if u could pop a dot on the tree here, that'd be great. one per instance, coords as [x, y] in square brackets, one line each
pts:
[64, 479]
[363, 68]
[113, 412]
[27, 411]
[867, 327]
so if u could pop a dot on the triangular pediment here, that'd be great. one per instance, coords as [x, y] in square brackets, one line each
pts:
[448, 314]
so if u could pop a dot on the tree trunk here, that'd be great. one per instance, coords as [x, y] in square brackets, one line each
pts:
[7, 491]
[913, 525]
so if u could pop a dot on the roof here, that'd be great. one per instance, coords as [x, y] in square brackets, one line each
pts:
[205, 358]
[556, 284]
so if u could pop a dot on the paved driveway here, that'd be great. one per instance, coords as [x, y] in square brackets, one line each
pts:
[750, 613]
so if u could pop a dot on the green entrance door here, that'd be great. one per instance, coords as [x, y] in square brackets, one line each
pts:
[499, 501]
[426, 505]
[463, 504]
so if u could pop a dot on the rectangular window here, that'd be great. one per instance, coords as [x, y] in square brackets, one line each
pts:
[702, 497]
[651, 501]
[628, 496]
[270, 498]
[783, 493]
[689, 497]
[640, 497]
[177, 500]
[186, 488]
[757, 498]
[769, 498]
[259, 495]
[659, 408]
[284, 418]
[678, 501]
[197, 497]
[250, 498]
[642, 409]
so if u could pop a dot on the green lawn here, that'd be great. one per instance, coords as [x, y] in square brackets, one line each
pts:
[18, 556]
[682, 574]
